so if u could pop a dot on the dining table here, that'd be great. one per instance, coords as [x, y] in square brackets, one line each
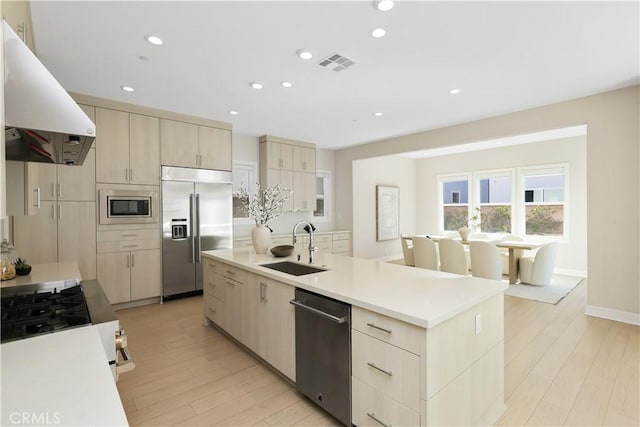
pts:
[510, 245]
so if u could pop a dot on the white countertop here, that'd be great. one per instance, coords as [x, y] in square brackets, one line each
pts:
[43, 273]
[61, 378]
[414, 295]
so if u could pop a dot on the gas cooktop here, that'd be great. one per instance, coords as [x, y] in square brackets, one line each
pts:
[43, 311]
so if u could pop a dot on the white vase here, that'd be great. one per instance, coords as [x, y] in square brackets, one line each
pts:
[261, 238]
[464, 233]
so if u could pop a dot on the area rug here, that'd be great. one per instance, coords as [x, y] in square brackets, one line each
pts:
[552, 294]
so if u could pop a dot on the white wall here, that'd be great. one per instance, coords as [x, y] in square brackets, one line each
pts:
[572, 254]
[367, 173]
[613, 181]
[246, 148]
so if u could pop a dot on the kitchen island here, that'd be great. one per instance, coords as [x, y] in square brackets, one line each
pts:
[59, 379]
[440, 335]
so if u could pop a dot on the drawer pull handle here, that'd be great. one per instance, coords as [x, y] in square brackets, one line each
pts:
[129, 246]
[230, 283]
[231, 273]
[373, 325]
[373, 417]
[373, 365]
[129, 235]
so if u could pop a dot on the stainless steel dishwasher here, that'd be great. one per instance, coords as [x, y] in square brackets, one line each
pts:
[323, 352]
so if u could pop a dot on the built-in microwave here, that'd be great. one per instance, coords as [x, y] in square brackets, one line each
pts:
[128, 207]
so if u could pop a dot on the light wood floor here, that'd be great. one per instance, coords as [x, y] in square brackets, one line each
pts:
[561, 368]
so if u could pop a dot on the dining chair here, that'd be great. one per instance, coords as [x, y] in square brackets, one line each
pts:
[407, 252]
[452, 257]
[538, 270]
[504, 253]
[485, 260]
[425, 254]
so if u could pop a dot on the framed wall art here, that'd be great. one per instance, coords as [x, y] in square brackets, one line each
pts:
[387, 212]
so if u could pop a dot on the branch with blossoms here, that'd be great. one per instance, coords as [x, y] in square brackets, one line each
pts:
[266, 204]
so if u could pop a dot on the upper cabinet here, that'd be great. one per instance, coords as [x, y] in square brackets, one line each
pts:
[18, 16]
[304, 159]
[292, 165]
[194, 146]
[127, 147]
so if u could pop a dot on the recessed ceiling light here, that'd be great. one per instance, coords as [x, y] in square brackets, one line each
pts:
[256, 85]
[455, 91]
[379, 114]
[127, 88]
[285, 84]
[384, 5]
[378, 32]
[153, 39]
[233, 112]
[304, 54]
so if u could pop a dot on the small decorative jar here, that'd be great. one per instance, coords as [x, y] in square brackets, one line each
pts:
[7, 259]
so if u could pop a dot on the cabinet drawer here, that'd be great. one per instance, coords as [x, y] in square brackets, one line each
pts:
[126, 235]
[127, 245]
[374, 408]
[390, 369]
[341, 246]
[213, 309]
[393, 331]
[326, 247]
[234, 273]
[213, 265]
[213, 286]
[341, 236]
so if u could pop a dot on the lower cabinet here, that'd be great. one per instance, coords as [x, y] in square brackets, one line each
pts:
[254, 310]
[130, 264]
[371, 407]
[270, 323]
[129, 276]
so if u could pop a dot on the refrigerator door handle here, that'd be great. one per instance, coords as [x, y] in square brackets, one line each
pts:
[198, 254]
[191, 228]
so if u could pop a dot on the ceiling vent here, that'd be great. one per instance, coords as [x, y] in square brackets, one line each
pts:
[336, 62]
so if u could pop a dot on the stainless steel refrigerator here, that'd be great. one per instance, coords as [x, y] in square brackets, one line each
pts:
[196, 216]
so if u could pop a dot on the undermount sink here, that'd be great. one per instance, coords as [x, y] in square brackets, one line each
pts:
[293, 268]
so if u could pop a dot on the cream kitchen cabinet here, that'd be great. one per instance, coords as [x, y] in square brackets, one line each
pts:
[285, 179]
[304, 191]
[58, 232]
[278, 155]
[304, 159]
[18, 16]
[269, 323]
[254, 310]
[232, 310]
[292, 164]
[23, 194]
[128, 148]
[129, 264]
[195, 146]
[68, 183]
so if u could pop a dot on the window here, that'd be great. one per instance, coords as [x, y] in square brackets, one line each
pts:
[495, 192]
[455, 201]
[544, 201]
[323, 196]
[244, 176]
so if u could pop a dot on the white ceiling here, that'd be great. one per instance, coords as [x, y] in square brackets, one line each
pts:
[505, 56]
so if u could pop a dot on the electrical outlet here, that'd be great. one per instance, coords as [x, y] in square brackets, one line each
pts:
[478, 324]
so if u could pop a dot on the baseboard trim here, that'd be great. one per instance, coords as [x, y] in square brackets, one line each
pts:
[613, 314]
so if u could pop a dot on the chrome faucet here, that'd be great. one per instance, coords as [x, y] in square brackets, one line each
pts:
[312, 248]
